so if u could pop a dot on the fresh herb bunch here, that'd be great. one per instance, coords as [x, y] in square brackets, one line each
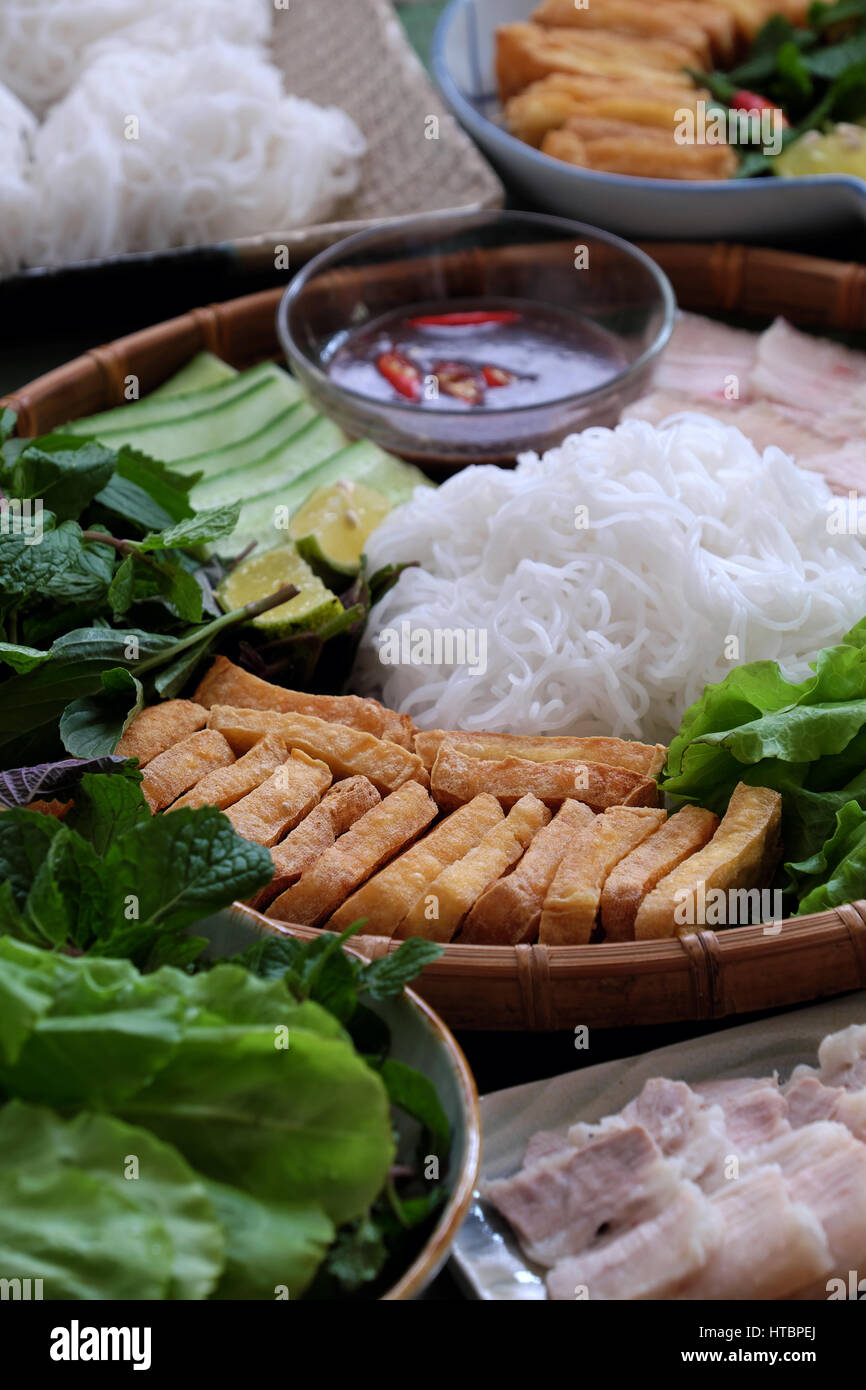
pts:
[110, 879]
[814, 74]
[107, 600]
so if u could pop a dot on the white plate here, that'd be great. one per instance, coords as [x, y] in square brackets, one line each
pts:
[747, 210]
[486, 1253]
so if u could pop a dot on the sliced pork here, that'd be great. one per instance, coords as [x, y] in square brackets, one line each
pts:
[704, 358]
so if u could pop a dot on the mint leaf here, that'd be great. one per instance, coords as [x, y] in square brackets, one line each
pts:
[209, 525]
[106, 808]
[63, 471]
[93, 726]
[8, 420]
[415, 1093]
[60, 566]
[384, 978]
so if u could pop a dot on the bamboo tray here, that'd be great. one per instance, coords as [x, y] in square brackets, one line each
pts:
[701, 976]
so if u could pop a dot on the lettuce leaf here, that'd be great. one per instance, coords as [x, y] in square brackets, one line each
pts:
[270, 1245]
[135, 1166]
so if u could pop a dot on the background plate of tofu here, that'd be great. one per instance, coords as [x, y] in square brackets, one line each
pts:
[702, 202]
[727, 1167]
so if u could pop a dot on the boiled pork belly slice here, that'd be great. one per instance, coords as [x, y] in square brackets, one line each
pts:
[808, 1100]
[561, 1204]
[825, 1170]
[702, 355]
[771, 1246]
[646, 1261]
[754, 1109]
[544, 1144]
[812, 373]
[842, 1058]
[686, 1129]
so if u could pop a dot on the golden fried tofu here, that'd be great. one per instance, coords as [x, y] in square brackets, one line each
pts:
[743, 854]
[750, 15]
[548, 104]
[437, 915]
[509, 911]
[456, 778]
[226, 785]
[55, 808]
[526, 52]
[385, 899]
[706, 28]
[339, 808]
[368, 844]
[348, 752]
[647, 759]
[617, 147]
[637, 874]
[227, 684]
[284, 798]
[158, 727]
[572, 901]
[170, 774]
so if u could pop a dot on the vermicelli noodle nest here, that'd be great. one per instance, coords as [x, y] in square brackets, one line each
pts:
[614, 578]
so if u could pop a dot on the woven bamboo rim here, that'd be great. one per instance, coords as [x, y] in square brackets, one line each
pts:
[700, 976]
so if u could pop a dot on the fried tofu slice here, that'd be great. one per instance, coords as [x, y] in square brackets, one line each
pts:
[368, 844]
[385, 899]
[348, 752]
[277, 804]
[509, 911]
[159, 727]
[438, 914]
[228, 684]
[647, 759]
[170, 774]
[634, 877]
[526, 52]
[226, 785]
[572, 901]
[547, 105]
[617, 147]
[456, 778]
[743, 853]
[339, 808]
[707, 28]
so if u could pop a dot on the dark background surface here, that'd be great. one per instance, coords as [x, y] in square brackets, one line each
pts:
[48, 318]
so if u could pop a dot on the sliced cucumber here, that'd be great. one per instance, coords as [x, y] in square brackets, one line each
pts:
[225, 422]
[317, 440]
[260, 521]
[201, 371]
[214, 463]
[153, 410]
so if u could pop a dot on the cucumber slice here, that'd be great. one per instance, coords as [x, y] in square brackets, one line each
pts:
[365, 462]
[214, 463]
[161, 409]
[317, 440]
[201, 371]
[225, 422]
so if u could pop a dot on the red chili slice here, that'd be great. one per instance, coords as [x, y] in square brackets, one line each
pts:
[497, 376]
[402, 373]
[464, 316]
[460, 380]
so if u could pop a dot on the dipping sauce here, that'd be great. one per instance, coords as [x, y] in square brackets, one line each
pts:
[474, 355]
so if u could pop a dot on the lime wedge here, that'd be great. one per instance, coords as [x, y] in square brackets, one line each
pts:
[841, 150]
[260, 575]
[332, 526]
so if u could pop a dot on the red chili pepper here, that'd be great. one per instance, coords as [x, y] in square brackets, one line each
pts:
[497, 376]
[402, 373]
[744, 100]
[465, 316]
[460, 380]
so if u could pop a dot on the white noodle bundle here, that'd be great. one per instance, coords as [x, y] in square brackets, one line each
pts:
[698, 553]
[151, 150]
[17, 130]
[45, 45]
